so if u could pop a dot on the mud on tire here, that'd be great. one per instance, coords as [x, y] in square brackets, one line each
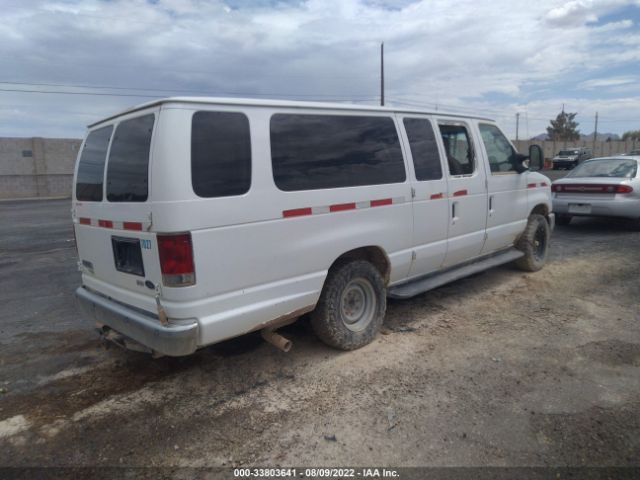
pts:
[534, 243]
[352, 306]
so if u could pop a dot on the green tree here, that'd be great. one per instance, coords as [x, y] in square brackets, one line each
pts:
[631, 135]
[564, 127]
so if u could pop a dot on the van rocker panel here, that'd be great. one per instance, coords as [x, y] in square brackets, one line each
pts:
[431, 281]
[173, 340]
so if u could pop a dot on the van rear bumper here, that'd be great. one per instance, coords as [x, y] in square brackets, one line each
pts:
[173, 340]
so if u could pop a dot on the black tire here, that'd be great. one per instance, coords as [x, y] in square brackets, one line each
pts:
[534, 243]
[347, 286]
[563, 219]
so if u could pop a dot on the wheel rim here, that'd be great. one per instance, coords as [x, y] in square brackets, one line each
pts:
[357, 304]
[540, 243]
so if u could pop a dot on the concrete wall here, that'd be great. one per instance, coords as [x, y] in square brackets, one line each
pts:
[37, 167]
[599, 149]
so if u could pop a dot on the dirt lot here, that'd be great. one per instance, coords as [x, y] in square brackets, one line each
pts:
[503, 368]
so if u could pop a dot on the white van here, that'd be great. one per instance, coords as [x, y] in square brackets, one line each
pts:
[201, 219]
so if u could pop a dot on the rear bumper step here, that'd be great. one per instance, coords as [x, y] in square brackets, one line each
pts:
[173, 340]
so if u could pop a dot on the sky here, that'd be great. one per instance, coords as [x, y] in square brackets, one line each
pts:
[65, 64]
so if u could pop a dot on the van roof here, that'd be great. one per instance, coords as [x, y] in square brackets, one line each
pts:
[281, 103]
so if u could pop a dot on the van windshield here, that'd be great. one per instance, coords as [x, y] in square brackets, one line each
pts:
[128, 165]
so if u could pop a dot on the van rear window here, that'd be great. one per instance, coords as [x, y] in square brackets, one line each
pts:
[220, 154]
[128, 166]
[91, 166]
[311, 152]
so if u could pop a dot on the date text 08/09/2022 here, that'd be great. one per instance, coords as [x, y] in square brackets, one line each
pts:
[315, 473]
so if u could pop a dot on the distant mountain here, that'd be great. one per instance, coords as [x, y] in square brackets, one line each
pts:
[541, 137]
[601, 137]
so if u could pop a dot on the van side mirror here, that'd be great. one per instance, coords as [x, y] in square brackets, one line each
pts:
[536, 158]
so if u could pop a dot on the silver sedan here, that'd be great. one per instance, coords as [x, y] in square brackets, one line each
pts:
[601, 187]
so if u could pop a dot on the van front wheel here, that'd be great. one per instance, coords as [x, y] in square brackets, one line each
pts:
[351, 308]
[534, 243]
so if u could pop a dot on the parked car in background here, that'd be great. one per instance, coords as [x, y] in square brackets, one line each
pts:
[571, 158]
[633, 153]
[602, 187]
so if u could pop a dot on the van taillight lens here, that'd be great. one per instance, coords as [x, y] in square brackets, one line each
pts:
[176, 260]
[556, 188]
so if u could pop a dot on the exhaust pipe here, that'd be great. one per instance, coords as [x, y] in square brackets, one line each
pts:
[277, 340]
[109, 337]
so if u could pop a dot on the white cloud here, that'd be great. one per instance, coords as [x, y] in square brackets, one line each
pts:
[575, 12]
[608, 82]
[436, 52]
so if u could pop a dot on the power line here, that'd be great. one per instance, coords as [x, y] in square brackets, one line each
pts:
[78, 93]
[337, 97]
[167, 90]
[104, 94]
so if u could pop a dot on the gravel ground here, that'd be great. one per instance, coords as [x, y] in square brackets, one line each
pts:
[500, 369]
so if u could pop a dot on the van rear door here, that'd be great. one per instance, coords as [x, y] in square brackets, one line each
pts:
[112, 212]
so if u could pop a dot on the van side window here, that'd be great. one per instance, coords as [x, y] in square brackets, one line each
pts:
[311, 152]
[458, 148]
[220, 154]
[502, 156]
[91, 166]
[424, 149]
[128, 166]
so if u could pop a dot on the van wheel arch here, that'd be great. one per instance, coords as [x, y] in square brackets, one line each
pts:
[540, 209]
[372, 254]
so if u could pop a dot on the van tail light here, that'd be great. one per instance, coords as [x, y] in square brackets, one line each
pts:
[591, 188]
[176, 260]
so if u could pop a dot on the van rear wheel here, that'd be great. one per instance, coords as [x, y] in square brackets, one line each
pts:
[352, 306]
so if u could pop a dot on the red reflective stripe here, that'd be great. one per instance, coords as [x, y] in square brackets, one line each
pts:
[296, 212]
[339, 207]
[105, 223]
[531, 185]
[381, 202]
[132, 225]
[436, 196]
[85, 221]
[460, 193]
[543, 184]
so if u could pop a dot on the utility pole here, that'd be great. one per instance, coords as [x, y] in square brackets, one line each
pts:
[517, 124]
[382, 74]
[595, 134]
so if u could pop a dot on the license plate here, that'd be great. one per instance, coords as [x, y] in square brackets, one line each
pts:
[580, 208]
[127, 255]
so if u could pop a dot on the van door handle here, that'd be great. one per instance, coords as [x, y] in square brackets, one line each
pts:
[453, 212]
[490, 204]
